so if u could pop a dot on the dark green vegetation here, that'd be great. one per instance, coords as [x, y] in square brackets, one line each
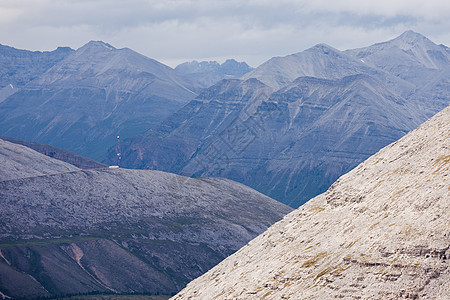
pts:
[100, 296]
[138, 266]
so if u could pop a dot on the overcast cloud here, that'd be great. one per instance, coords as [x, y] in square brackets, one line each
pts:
[173, 31]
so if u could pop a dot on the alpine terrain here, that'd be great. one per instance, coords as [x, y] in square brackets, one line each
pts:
[19, 162]
[18, 67]
[210, 72]
[92, 95]
[381, 231]
[295, 124]
[58, 153]
[66, 231]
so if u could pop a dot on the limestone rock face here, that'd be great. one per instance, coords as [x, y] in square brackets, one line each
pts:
[381, 231]
[58, 153]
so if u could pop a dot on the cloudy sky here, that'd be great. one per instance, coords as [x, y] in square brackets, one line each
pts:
[173, 31]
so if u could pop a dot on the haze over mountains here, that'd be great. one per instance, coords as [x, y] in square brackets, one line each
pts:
[18, 67]
[379, 232]
[288, 128]
[293, 125]
[68, 231]
[211, 72]
[96, 93]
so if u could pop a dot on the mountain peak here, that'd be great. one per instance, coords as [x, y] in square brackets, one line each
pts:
[97, 45]
[410, 35]
[410, 39]
[323, 48]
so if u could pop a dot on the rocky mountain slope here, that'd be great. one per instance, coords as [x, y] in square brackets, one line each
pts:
[96, 93]
[210, 72]
[119, 230]
[18, 67]
[379, 232]
[423, 63]
[18, 161]
[58, 153]
[294, 142]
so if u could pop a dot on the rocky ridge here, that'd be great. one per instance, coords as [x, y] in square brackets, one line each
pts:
[210, 72]
[291, 137]
[380, 232]
[58, 153]
[118, 230]
[18, 67]
[19, 161]
[290, 145]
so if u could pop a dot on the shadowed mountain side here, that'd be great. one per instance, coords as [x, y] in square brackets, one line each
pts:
[18, 67]
[291, 144]
[118, 230]
[177, 140]
[379, 232]
[58, 153]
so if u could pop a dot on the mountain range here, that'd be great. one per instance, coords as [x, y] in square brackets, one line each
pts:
[293, 125]
[379, 232]
[58, 153]
[66, 231]
[210, 72]
[82, 102]
[18, 67]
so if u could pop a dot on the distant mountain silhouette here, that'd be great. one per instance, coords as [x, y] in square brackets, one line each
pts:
[210, 72]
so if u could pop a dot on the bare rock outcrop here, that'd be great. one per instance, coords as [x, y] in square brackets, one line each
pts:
[18, 161]
[116, 230]
[380, 232]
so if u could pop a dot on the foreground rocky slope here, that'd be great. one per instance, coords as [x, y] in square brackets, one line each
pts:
[58, 153]
[380, 232]
[121, 231]
[18, 161]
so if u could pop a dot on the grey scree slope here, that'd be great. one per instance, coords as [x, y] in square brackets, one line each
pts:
[380, 232]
